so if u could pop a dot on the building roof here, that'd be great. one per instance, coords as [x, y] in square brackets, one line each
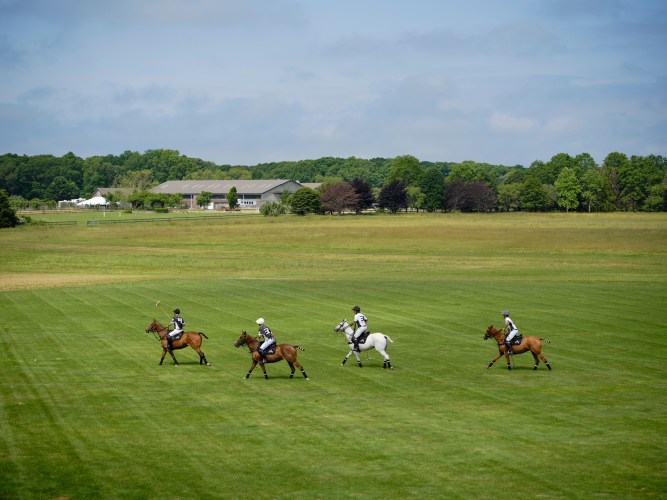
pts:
[104, 191]
[242, 186]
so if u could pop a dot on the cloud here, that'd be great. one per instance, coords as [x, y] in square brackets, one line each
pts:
[506, 123]
[201, 12]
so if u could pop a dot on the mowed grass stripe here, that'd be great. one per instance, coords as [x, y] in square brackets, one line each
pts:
[438, 425]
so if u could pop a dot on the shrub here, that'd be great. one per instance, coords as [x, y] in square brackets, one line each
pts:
[273, 208]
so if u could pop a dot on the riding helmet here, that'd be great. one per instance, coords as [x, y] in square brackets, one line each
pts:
[177, 311]
[260, 321]
[356, 309]
[505, 313]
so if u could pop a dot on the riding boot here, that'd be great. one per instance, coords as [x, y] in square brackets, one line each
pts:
[356, 345]
[169, 342]
[509, 349]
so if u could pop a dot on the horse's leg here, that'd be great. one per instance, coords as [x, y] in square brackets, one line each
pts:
[173, 357]
[164, 353]
[385, 356]
[500, 353]
[252, 367]
[202, 358]
[348, 356]
[544, 360]
[356, 355]
[195, 343]
[269, 359]
[303, 372]
[291, 366]
[536, 359]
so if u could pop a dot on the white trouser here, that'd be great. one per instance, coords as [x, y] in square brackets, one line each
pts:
[266, 344]
[175, 332]
[360, 330]
[511, 335]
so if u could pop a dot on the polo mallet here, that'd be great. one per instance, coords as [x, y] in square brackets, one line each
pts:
[161, 306]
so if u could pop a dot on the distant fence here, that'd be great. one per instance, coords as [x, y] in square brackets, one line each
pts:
[155, 219]
[58, 223]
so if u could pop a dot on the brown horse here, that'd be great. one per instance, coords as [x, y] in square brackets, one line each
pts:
[283, 351]
[532, 344]
[192, 339]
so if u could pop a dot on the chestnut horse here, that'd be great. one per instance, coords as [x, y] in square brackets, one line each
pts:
[192, 339]
[283, 351]
[532, 344]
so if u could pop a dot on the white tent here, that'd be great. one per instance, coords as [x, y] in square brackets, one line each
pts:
[93, 202]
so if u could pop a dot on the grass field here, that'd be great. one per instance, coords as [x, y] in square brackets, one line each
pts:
[86, 412]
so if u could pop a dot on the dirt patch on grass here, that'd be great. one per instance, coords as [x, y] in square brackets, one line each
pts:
[26, 281]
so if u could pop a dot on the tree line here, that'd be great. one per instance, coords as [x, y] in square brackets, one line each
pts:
[563, 182]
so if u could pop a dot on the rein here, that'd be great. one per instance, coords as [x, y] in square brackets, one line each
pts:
[156, 333]
[499, 338]
[246, 345]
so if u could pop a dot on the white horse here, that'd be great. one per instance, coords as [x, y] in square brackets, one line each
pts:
[378, 340]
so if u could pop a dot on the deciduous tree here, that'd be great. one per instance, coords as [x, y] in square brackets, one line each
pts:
[204, 199]
[433, 189]
[405, 169]
[8, 216]
[533, 196]
[568, 189]
[233, 198]
[304, 201]
[393, 196]
[339, 198]
[365, 198]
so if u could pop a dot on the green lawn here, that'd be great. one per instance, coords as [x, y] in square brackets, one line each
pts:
[86, 412]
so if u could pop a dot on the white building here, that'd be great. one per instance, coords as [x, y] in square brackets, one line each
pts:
[251, 194]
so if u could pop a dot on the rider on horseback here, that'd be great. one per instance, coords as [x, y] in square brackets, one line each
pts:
[360, 321]
[511, 328]
[267, 335]
[178, 323]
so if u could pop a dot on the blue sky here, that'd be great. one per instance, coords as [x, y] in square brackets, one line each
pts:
[249, 81]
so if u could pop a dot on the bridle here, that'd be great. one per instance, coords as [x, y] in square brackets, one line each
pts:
[498, 337]
[342, 326]
[244, 343]
[156, 332]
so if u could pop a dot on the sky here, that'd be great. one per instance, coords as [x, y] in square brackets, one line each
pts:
[243, 82]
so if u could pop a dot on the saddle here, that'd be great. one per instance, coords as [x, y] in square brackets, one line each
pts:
[176, 337]
[362, 338]
[517, 340]
[269, 350]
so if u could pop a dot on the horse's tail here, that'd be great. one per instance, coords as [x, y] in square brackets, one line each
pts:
[545, 340]
[389, 338]
[299, 348]
[203, 335]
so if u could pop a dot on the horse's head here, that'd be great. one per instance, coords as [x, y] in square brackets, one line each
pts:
[155, 326]
[341, 326]
[243, 339]
[491, 331]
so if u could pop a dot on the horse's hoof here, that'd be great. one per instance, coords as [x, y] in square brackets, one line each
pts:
[208, 364]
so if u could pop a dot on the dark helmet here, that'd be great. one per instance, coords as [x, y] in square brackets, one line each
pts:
[177, 311]
[356, 309]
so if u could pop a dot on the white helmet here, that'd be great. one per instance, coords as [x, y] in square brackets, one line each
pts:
[260, 321]
[505, 312]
